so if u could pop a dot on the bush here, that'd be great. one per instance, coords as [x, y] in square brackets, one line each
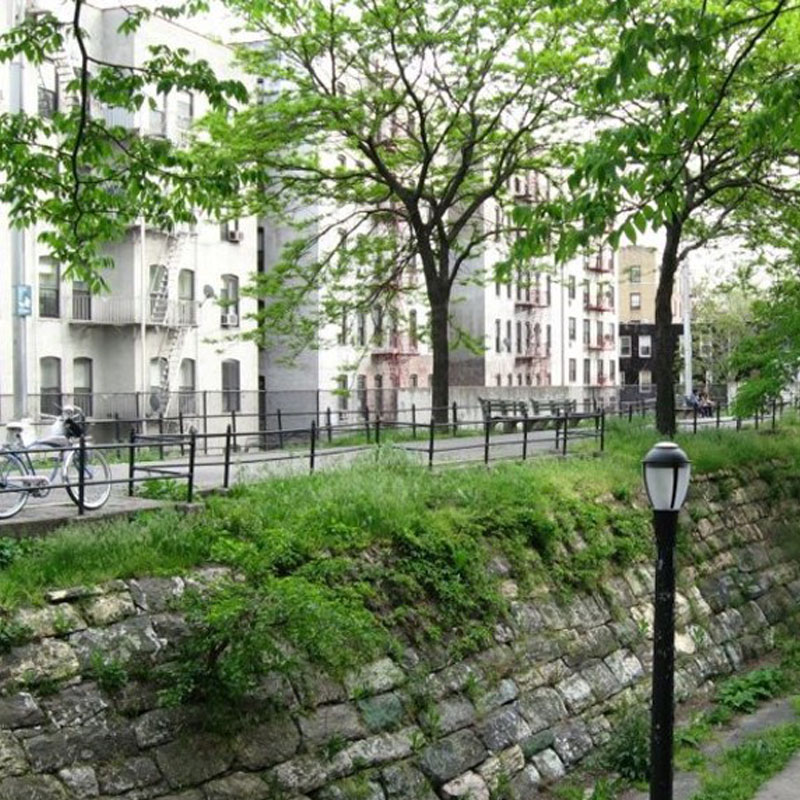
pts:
[628, 752]
[744, 693]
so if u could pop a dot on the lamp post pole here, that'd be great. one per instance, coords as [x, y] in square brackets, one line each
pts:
[665, 524]
[666, 478]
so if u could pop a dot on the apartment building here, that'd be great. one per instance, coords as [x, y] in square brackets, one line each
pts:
[166, 336]
[543, 326]
[638, 282]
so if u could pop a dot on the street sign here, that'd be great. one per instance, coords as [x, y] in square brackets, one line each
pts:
[23, 300]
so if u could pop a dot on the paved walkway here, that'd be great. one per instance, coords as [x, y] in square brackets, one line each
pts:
[784, 786]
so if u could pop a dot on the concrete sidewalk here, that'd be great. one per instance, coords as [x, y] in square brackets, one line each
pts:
[785, 785]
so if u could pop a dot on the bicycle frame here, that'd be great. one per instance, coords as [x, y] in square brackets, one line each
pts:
[24, 455]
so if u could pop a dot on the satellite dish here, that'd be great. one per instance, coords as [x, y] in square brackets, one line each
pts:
[208, 291]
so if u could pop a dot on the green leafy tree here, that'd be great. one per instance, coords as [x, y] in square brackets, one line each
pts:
[697, 108]
[392, 124]
[86, 181]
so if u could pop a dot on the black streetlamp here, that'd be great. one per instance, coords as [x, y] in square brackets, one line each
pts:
[666, 478]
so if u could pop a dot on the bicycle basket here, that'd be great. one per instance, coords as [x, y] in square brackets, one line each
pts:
[75, 426]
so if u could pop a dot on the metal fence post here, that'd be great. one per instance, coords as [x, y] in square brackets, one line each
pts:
[602, 431]
[566, 428]
[755, 417]
[719, 412]
[366, 421]
[430, 445]
[312, 451]
[694, 420]
[233, 428]
[192, 451]
[378, 429]
[630, 413]
[205, 422]
[81, 474]
[455, 418]
[180, 428]
[524, 433]
[131, 460]
[558, 428]
[329, 424]
[486, 430]
[117, 432]
[227, 468]
[414, 420]
[738, 423]
[161, 435]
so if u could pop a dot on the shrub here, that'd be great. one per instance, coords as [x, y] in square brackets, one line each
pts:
[628, 751]
[744, 693]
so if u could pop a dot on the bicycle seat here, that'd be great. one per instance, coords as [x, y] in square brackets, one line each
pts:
[14, 426]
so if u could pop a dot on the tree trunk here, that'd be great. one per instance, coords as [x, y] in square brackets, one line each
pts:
[664, 345]
[440, 343]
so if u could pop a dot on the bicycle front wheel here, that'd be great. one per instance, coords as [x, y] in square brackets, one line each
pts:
[13, 488]
[96, 478]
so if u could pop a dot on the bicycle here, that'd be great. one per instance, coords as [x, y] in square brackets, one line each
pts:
[19, 479]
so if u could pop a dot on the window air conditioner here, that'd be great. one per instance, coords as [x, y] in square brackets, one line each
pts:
[230, 320]
[235, 235]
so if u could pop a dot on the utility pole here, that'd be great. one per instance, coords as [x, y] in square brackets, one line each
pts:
[686, 303]
[20, 290]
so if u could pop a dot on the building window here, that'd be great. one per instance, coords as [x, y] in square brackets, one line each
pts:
[625, 346]
[612, 370]
[184, 109]
[414, 380]
[187, 402]
[49, 288]
[548, 338]
[510, 379]
[82, 384]
[573, 370]
[549, 289]
[519, 379]
[158, 116]
[158, 376]
[600, 370]
[635, 275]
[645, 378]
[587, 371]
[342, 395]
[413, 333]
[379, 394]
[528, 335]
[527, 379]
[231, 385]
[645, 346]
[361, 329]
[573, 329]
[341, 336]
[377, 325]
[519, 336]
[497, 288]
[636, 301]
[498, 379]
[571, 287]
[186, 305]
[229, 300]
[508, 336]
[599, 328]
[50, 385]
[497, 335]
[587, 331]
[48, 89]
[361, 391]
[81, 300]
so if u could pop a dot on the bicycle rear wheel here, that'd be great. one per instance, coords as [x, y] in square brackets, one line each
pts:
[96, 477]
[13, 489]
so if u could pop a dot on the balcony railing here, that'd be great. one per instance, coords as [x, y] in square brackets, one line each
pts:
[536, 298]
[600, 303]
[599, 264]
[602, 343]
[395, 344]
[116, 310]
[536, 352]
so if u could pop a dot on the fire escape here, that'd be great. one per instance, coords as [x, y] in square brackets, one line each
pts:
[532, 350]
[598, 303]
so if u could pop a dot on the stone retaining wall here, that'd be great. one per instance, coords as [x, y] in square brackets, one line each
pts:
[514, 717]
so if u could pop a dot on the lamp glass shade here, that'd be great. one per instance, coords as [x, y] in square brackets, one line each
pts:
[667, 470]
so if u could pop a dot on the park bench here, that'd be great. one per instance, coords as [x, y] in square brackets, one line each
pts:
[508, 413]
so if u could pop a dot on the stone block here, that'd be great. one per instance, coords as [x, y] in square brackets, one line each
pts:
[382, 748]
[601, 679]
[12, 756]
[576, 692]
[525, 617]
[267, 744]
[380, 676]
[505, 692]
[453, 713]
[503, 727]
[238, 786]
[537, 742]
[158, 726]
[572, 742]
[404, 780]
[107, 609]
[625, 665]
[32, 787]
[81, 781]
[542, 708]
[156, 594]
[75, 705]
[20, 711]
[549, 765]
[133, 637]
[47, 660]
[469, 786]
[446, 758]
[497, 769]
[96, 741]
[753, 617]
[194, 759]
[525, 784]
[340, 721]
[50, 620]
[314, 688]
[133, 773]
[382, 712]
